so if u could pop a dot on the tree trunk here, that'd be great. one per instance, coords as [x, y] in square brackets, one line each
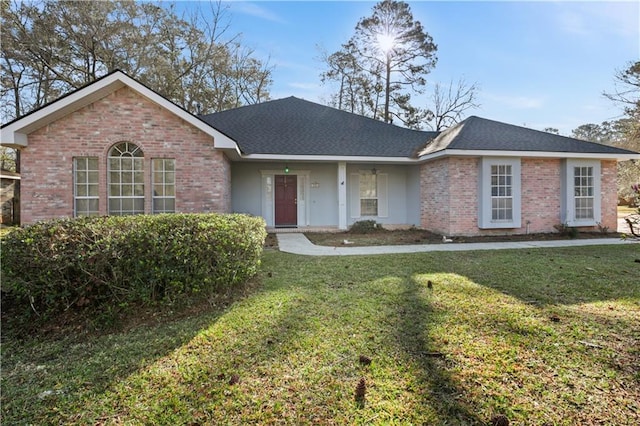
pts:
[387, 91]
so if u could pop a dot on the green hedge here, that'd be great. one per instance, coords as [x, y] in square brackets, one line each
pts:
[105, 262]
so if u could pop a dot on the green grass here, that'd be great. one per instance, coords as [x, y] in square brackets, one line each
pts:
[625, 210]
[541, 336]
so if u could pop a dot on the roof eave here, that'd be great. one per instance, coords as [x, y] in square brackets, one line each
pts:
[527, 154]
[15, 133]
[329, 158]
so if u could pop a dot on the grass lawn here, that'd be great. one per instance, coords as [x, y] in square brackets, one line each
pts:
[540, 336]
[626, 210]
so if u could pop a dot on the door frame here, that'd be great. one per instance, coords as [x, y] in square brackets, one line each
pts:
[288, 202]
[268, 195]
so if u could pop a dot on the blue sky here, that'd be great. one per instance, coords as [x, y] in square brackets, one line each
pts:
[539, 64]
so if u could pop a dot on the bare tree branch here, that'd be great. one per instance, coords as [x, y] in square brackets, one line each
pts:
[451, 102]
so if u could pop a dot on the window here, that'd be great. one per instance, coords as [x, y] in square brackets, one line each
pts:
[582, 189]
[499, 193]
[126, 179]
[368, 194]
[164, 185]
[85, 177]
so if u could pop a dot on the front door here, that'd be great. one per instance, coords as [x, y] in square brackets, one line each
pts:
[286, 200]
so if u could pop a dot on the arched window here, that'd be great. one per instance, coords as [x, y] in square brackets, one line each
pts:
[126, 179]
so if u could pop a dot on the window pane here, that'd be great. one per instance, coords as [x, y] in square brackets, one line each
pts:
[584, 192]
[138, 205]
[81, 190]
[158, 205]
[163, 185]
[127, 205]
[85, 186]
[501, 192]
[368, 207]
[81, 206]
[114, 206]
[93, 206]
[368, 187]
[126, 179]
[114, 190]
[93, 190]
[92, 163]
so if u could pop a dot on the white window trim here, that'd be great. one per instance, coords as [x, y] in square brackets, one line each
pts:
[569, 210]
[120, 211]
[382, 182]
[485, 220]
[77, 197]
[163, 185]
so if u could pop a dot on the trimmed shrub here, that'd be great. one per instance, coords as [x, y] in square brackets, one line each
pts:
[108, 262]
[365, 227]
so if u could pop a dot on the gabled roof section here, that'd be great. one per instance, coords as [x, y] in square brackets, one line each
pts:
[480, 134]
[15, 132]
[293, 126]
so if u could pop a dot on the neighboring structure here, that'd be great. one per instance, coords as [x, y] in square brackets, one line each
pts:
[117, 147]
[9, 197]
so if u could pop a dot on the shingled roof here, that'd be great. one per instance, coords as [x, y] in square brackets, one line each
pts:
[477, 133]
[293, 126]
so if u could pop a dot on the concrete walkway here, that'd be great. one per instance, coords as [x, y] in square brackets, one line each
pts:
[297, 243]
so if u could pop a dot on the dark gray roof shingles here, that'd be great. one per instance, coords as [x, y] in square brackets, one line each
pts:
[477, 133]
[293, 126]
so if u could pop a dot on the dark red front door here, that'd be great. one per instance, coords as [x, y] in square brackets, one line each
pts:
[286, 200]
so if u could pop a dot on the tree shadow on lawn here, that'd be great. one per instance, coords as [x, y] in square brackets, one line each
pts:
[291, 354]
[558, 276]
[248, 364]
[415, 319]
[43, 374]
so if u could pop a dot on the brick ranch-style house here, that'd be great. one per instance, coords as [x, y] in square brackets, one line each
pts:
[117, 147]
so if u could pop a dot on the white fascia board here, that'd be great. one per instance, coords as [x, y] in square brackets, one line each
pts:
[178, 111]
[527, 154]
[330, 158]
[16, 133]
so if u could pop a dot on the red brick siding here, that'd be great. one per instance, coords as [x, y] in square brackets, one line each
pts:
[541, 194]
[434, 187]
[463, 184]
[449, 195]
[203, 174]
[449, 190]
[609, 190]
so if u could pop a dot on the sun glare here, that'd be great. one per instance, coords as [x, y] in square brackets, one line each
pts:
[386, 42]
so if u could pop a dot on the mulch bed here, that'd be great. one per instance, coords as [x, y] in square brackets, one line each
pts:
[424, 237]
